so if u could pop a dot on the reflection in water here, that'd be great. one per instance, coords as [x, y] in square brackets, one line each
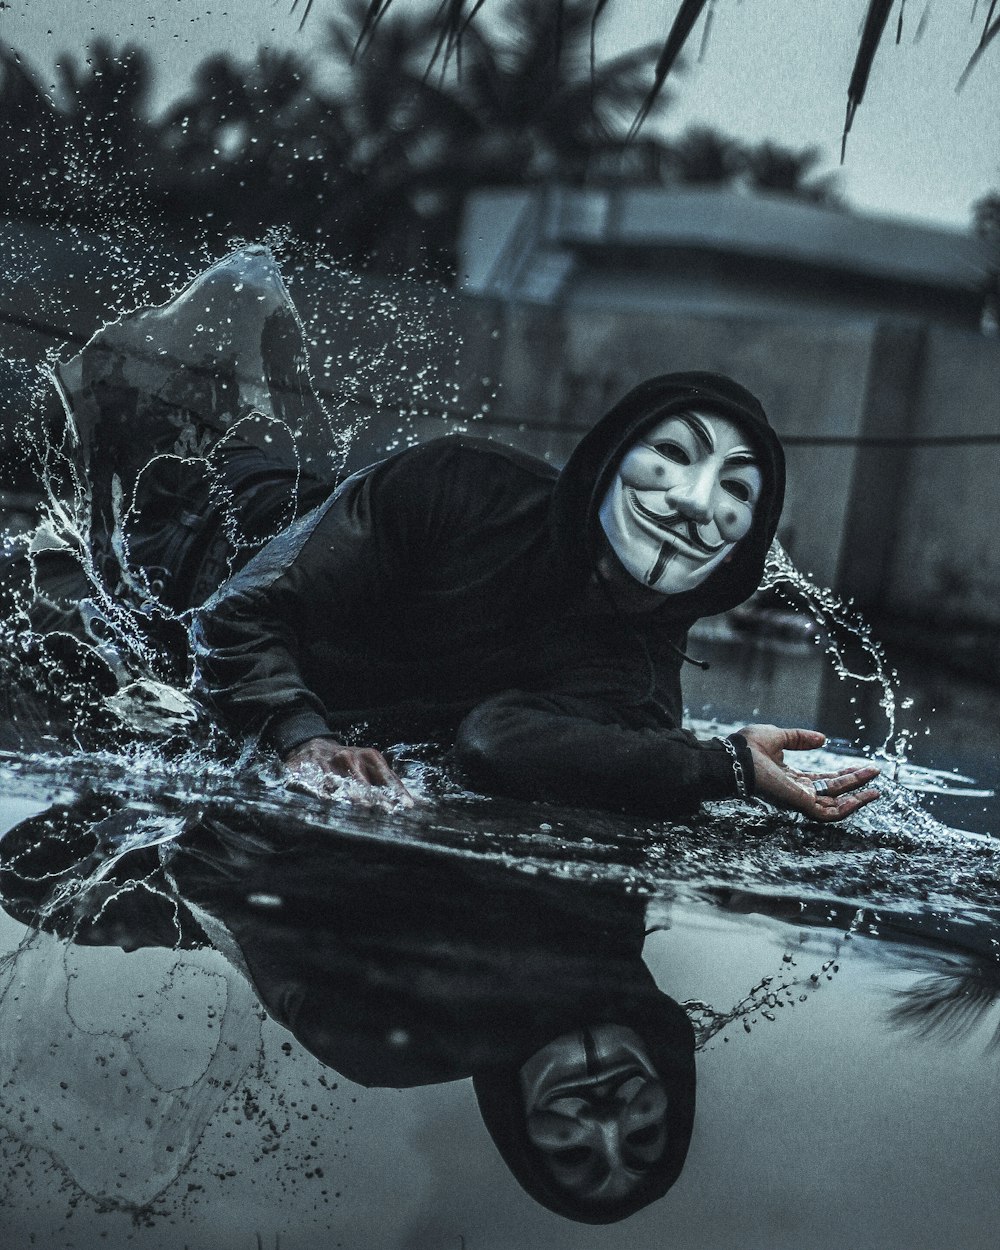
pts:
[596, 1110]
[397, 967]
[961, 958]
[952, 1003]
[404, 964]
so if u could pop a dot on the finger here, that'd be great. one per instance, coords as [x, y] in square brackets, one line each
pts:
[844, 782]
[801, 739]
[839, 808]
[379, 772]
[807, 777]
[811, 775]
[382, 775]
[358, 771]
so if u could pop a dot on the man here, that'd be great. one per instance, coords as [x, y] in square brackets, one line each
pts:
[459, 590]
[464, 590]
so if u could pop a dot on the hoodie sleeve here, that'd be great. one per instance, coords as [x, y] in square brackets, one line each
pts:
[323, 575]
[550, 746]
[341, 569]
[246, 638]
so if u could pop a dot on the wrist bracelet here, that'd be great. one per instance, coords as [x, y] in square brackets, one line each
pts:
[741, 781]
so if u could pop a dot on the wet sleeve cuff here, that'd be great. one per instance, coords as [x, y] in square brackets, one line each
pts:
[289, 732]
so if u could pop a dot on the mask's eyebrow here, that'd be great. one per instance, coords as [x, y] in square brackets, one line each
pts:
[702, 432]
[742, 456]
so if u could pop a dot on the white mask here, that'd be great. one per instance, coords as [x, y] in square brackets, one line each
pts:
[681, 500]
[596, 1110]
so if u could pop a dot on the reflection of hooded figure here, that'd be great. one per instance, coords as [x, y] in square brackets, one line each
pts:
[452, 591]
[398, 968]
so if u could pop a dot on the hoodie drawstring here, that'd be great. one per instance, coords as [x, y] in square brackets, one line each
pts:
[702, 664]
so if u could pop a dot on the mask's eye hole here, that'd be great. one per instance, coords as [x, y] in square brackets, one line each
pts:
[643, 1136]
[672, 451]
[739, 490]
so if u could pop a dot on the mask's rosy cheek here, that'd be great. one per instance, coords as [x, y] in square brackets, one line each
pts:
[735, 520]
[644, 469]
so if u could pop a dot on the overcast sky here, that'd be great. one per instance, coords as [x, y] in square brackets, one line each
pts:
[773, 69]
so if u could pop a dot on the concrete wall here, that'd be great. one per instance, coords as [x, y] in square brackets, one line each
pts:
[947, 536]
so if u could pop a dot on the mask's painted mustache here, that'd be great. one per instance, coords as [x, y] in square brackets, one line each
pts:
[662, 522]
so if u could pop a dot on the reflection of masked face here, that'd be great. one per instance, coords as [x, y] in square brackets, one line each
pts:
[682, 498]
[596, 1110]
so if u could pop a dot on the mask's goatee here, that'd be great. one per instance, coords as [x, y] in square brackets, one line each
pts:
[660, 563]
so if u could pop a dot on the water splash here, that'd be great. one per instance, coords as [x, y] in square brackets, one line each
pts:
[156, 405]
[839, 621]
[772, 994]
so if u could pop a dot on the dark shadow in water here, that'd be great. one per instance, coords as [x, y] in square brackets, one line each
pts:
[399, 967]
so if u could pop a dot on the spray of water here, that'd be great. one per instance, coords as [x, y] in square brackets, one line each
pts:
[840, 625]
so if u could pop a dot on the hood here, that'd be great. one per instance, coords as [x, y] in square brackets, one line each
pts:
[588, 473]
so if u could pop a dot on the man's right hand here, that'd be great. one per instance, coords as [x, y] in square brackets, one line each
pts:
[323, 763]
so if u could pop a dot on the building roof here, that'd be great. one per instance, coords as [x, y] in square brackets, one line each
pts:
[531, 244]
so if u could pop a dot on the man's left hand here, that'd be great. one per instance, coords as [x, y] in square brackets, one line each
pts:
[840, 793]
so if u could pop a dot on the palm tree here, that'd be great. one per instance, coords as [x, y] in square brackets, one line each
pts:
[775, 170]
[705, 157]
[530, 104]
[507, 110]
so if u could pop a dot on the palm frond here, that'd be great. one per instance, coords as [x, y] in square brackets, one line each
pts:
[684, 22]
[989, 34]
[373, 14]
[706, 31]
[989, 18]
[950, 1005]
[306, 9]
[871, 35]
[452, 23]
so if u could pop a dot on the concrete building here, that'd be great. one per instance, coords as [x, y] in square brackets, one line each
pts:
[716, 252]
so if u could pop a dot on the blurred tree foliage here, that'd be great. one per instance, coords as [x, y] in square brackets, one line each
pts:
[680, 18]
[370, 158]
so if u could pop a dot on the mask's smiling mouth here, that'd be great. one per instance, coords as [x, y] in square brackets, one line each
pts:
[688, 543]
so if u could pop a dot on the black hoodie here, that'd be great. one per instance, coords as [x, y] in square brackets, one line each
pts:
[448, 592]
